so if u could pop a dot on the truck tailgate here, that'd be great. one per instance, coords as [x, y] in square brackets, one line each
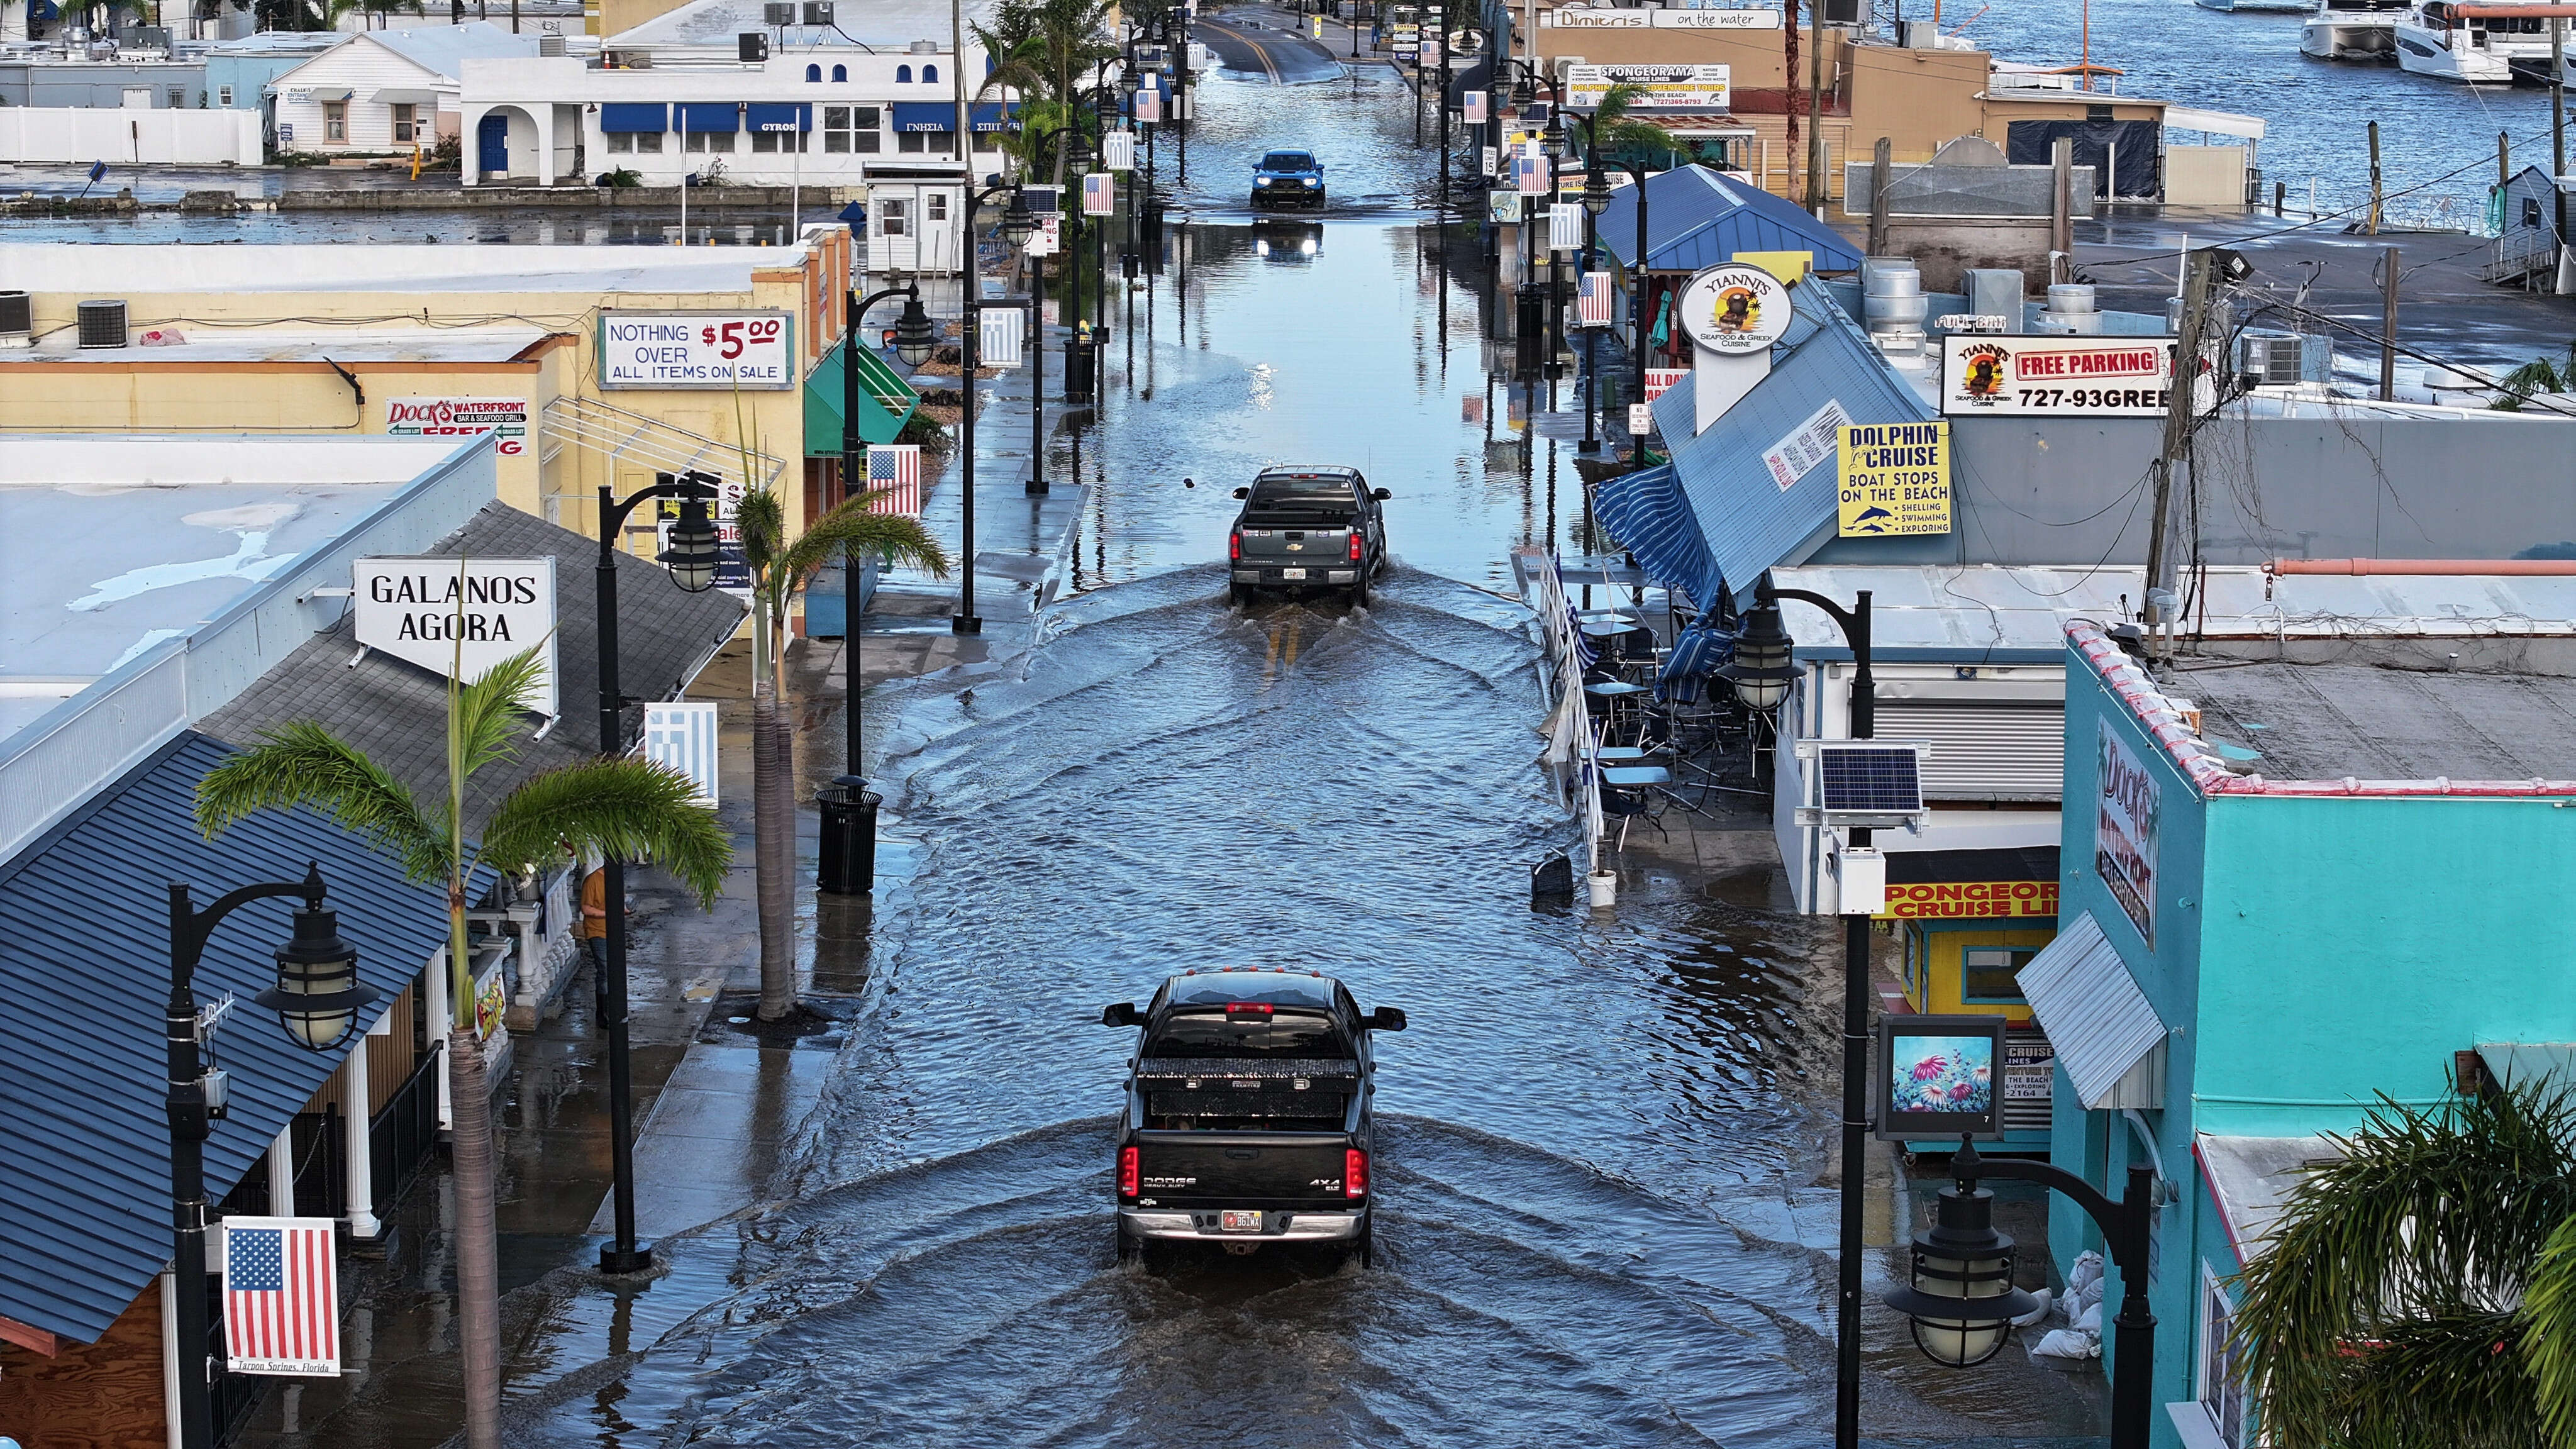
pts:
[1242, 1169]
[1301, 545]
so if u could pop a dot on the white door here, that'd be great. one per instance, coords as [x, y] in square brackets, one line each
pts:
[137, 98]
[898, 242]
[939, 228]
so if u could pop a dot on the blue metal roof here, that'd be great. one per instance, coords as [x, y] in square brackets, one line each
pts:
[1750, 522]
[84, 970]
[1647, 512]
[1701, 218]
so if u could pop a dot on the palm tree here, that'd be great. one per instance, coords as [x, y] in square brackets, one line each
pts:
[1616, 127]
[2389, 1307]
[2536, 376]
[1040, 48]
[624, 807]
[780, 570]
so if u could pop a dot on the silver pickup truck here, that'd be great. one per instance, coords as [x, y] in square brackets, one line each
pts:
[1307, 528]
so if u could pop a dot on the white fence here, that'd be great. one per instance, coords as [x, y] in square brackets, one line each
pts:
[131, 137]
[1570, 743]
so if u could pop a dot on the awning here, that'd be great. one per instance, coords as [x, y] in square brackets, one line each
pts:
[2109, 1039]
[1647, 512]
[925, 116]
[2549, 1064]
[885, 402]
[335, 93]
[779, 116]
[989, 115]
[398, 96]
[710, 117]
[2216, 123]
[626, 117]
[2251, 1179]
[85, 1146]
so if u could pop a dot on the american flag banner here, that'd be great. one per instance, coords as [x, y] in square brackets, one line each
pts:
[281, 1297]
[897, 467]
[1529, 175]
[997, 339]
[1475, 108]
[1149, 104]
[1593, 303]
[1099, 194]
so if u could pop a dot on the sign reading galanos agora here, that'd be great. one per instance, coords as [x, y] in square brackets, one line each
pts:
[2099, 377]
[696, 350]
[462, 615]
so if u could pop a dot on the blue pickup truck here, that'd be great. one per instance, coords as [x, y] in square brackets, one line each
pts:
[1287, 178]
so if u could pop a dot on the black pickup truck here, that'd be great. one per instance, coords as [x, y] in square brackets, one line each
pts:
[1247, 1117]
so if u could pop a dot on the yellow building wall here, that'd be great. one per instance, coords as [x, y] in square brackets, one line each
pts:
[1936, 959]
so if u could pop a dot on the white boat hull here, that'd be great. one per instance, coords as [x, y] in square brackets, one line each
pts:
[2424, 52]
[2271, 5]
[2347, 36]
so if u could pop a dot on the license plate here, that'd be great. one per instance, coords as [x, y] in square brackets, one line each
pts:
[1240, 1220]
[1292, 573]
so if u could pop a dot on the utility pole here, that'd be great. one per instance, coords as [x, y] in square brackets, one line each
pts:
[2558, 125]
[2372, 229]
[2178, 423]
[1878, 165]
[2388, 326]
[1442, 71]
[1815, 108]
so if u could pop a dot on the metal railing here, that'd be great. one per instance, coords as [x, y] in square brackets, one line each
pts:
[1570, 744]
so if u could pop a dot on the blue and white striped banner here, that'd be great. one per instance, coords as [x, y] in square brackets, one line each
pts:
[683, 737]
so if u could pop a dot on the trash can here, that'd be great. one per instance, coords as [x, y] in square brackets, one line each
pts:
[848, 865]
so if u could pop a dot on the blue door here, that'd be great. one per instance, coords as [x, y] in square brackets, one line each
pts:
[492, 145]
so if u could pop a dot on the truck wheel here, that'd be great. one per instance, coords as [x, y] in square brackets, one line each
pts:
[1361, 1246]
[1360, 592]
[1126, 1244]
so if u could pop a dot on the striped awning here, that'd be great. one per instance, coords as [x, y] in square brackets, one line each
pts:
[1647, 513]
[2102, 1025]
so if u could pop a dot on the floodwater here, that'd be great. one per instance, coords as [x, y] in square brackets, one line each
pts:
[1601, 1139]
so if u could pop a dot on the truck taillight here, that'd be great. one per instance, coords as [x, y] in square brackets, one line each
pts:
[1354, 1173]
[1127, 1184]
[1234, 546]
[1355, 545]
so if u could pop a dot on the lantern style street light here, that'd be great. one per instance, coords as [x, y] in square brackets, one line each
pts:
[693, 553]
[1962, 1301]
[317, 999]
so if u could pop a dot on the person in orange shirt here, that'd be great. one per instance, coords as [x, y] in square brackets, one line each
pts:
[594, 927]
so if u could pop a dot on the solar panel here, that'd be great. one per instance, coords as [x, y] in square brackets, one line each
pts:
[1866, 779]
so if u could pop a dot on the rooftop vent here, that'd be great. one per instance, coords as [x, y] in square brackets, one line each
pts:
[102, 324]
[818, 12]
[924, 47]
[550, 45]
[778, 12]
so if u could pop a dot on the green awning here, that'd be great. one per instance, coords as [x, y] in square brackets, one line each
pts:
[885, 402]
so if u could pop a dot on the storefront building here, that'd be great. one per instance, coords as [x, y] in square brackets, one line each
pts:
[2285, 890]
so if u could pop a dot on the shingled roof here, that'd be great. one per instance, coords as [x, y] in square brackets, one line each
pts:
[397, 712]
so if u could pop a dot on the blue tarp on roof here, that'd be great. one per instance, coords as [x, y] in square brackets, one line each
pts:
[84, 1143]
[1646, 512]
[1701, 218]
[1749, 522]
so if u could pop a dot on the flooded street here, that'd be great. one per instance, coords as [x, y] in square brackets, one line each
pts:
[1603, 1164]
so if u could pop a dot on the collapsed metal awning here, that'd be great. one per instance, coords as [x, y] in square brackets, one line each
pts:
[649, 444]
[2109, 1039]
[2251, 1179]
[2215, 123]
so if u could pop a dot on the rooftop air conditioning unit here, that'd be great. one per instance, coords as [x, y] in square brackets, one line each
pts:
[550, 45]
[751, 47]
[818, 12]
[778, 12]
[17, 320]
[101, 324]
[2270, 359]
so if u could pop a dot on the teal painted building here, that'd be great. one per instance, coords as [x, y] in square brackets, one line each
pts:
[2285, 889]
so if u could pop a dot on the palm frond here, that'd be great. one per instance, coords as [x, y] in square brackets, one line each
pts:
[762, 518]
[2549, 1335]
[2430, 1217]
[488, 710]
[891, 537]
[2517, 386]
[303, 764]
[632, 809]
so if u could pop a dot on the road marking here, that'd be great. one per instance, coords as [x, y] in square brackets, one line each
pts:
[1257, 49]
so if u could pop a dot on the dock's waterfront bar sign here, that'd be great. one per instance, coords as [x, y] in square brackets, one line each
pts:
[696, 349]
[2094, 377]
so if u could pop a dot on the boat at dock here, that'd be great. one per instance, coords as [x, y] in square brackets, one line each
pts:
[2478, 44]
[2351, 30]
[2275, 6]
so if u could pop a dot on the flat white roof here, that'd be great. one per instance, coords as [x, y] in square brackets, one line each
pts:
[115, 271]
[1976, 607]
[205, 344]
[715, 23]
[169, 530]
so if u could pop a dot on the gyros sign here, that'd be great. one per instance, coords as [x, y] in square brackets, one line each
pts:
[459, 616]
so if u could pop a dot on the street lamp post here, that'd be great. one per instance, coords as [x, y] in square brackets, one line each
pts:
[913, 343]
[969, 272]
[1553, 143]
[316, 998]
[1761, 674]
[1596, 200]
[695, 550]
[1960, 1294]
